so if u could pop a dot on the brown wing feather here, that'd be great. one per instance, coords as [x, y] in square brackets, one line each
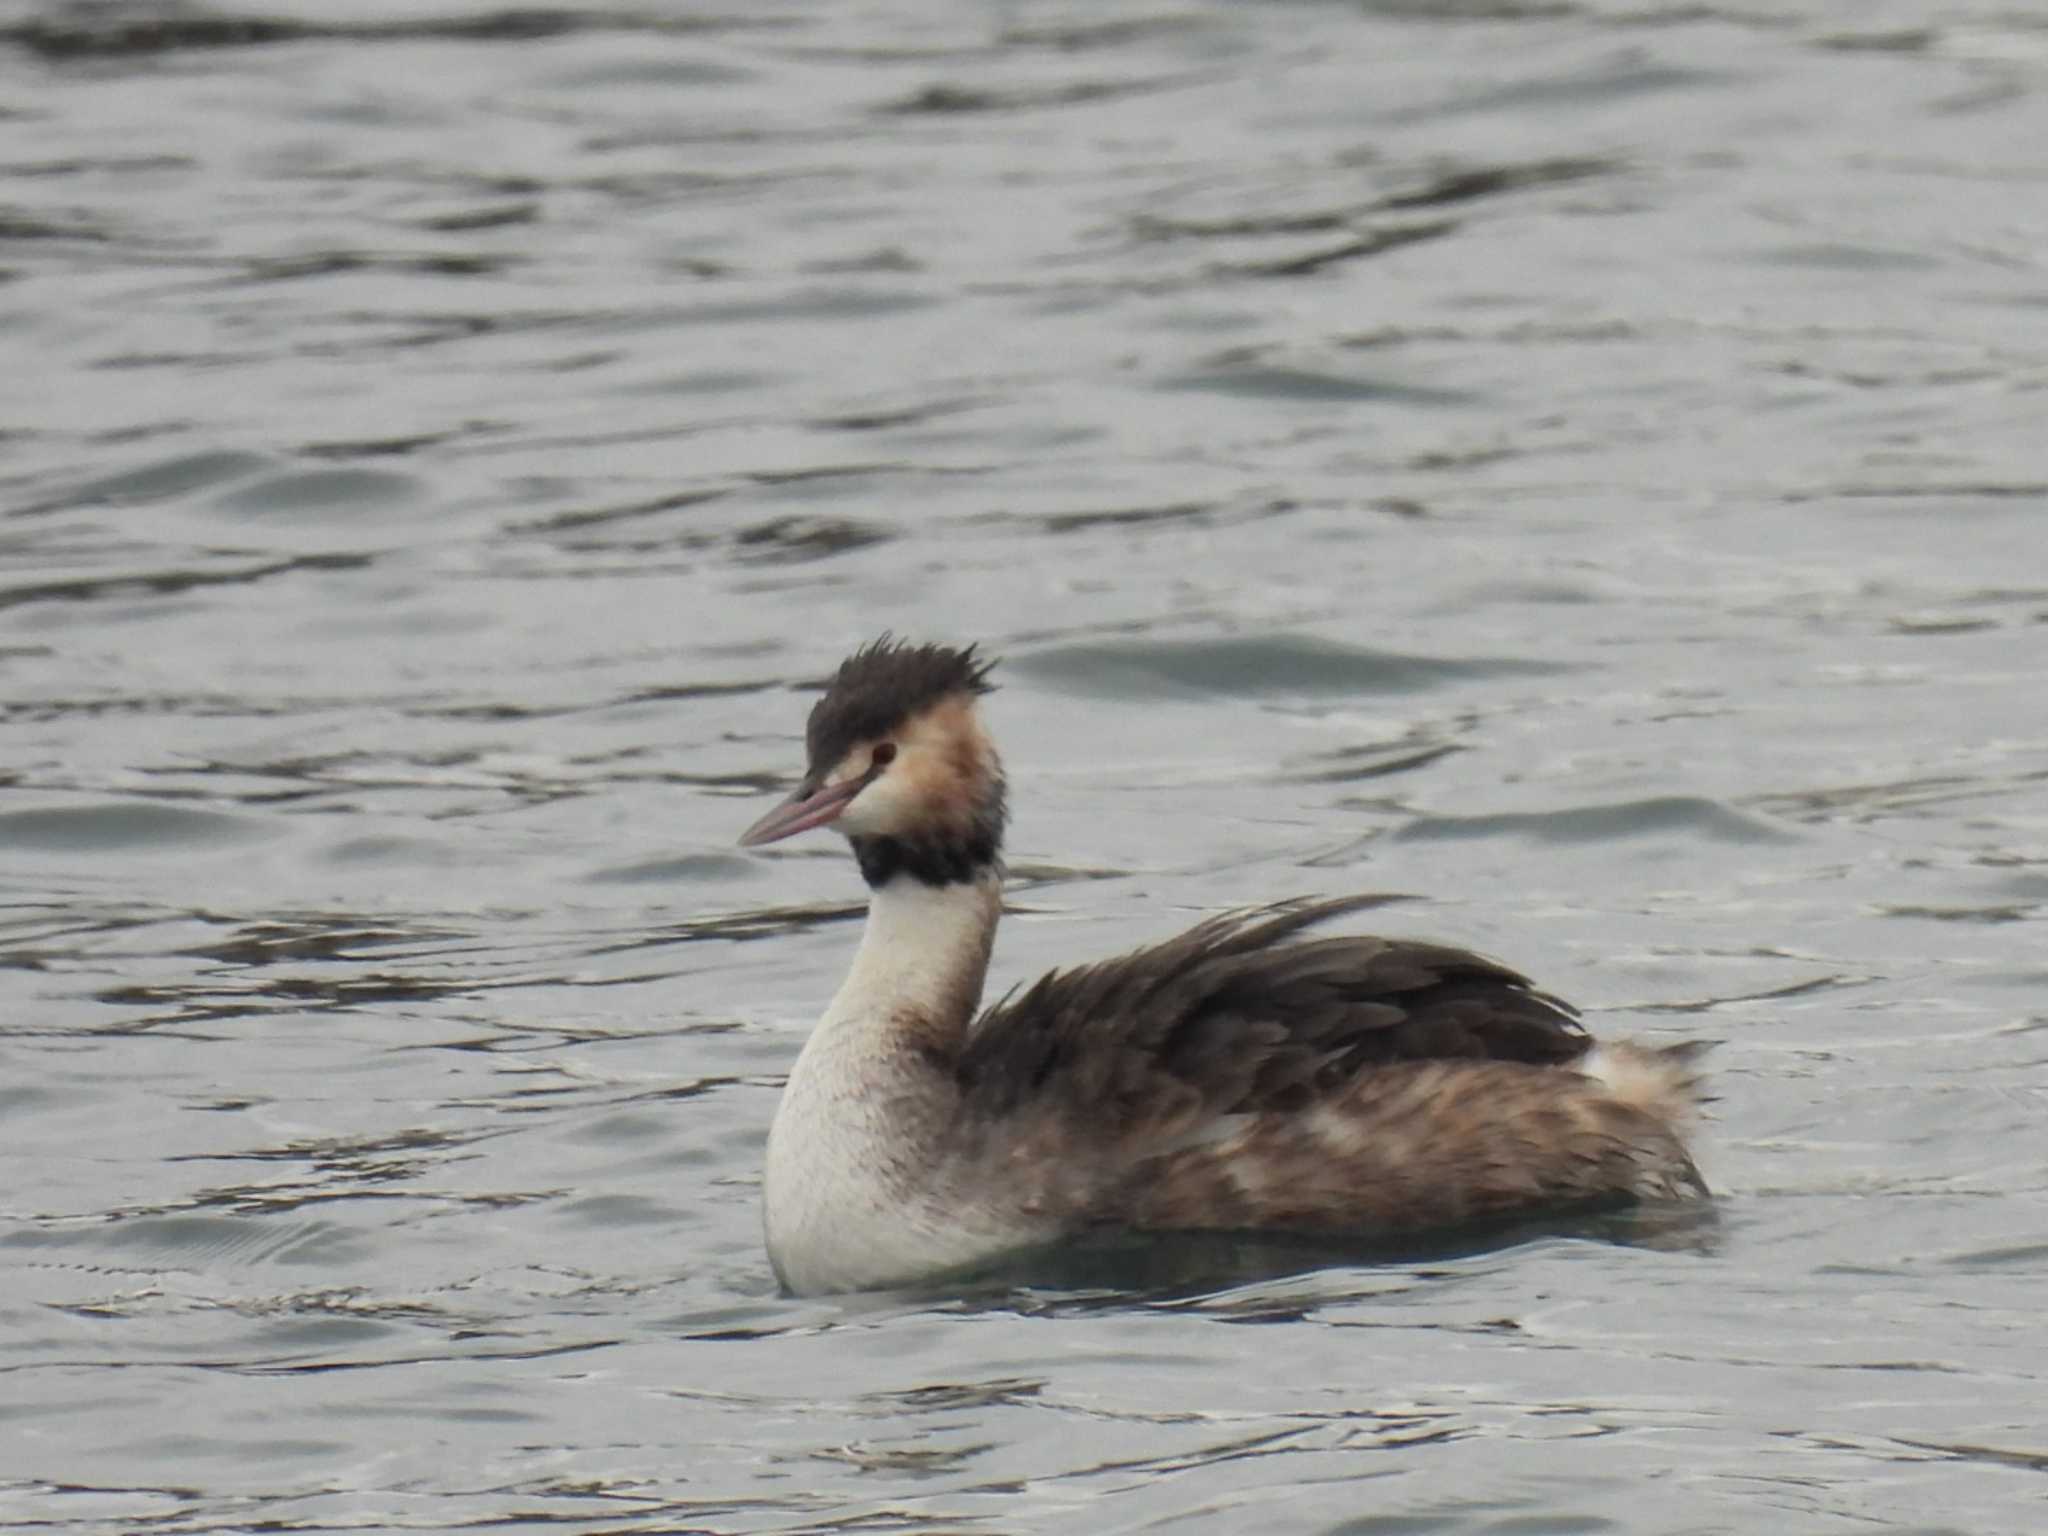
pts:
[1242, 1014]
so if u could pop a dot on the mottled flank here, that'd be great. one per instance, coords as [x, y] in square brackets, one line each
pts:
[880, 687]
[1420, 1145]
[1243, 1076]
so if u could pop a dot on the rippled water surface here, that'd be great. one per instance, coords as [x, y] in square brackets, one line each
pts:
[1575, 465]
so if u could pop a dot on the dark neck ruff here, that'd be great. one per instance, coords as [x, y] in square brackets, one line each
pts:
[953, 857]
[934, 862]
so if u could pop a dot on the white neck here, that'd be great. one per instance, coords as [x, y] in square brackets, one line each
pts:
[854, 1184]
[922, 959]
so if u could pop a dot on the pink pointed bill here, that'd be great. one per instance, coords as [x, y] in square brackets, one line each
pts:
[801, 812]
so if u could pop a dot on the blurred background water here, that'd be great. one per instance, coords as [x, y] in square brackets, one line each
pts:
[1574, 463]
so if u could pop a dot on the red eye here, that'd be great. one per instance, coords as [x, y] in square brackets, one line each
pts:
[885, 754]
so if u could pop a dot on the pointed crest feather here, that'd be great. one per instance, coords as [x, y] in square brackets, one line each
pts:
[883, 684]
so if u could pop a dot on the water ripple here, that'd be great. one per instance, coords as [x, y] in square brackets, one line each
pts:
[1259, 666]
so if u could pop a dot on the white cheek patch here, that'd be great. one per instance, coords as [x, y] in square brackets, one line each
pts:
[885, 806]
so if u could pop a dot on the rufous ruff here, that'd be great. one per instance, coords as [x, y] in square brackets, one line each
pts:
[1246, 1075]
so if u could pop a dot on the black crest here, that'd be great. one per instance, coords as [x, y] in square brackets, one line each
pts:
[882, 685]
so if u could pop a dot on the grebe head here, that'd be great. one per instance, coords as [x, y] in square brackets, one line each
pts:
[900, 764]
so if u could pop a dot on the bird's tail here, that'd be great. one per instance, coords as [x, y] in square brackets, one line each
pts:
[1667, 1081]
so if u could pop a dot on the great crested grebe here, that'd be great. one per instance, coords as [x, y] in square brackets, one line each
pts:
[1241, 1076]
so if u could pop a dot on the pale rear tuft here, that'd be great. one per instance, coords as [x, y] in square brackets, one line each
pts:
[1664, 1081]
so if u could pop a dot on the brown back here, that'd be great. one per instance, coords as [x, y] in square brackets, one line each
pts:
[1242, 1014]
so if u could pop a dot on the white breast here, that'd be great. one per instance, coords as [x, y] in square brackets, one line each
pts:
[865, 1184]
[855, 1190]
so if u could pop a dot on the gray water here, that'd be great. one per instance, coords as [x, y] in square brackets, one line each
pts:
[1575, 466]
